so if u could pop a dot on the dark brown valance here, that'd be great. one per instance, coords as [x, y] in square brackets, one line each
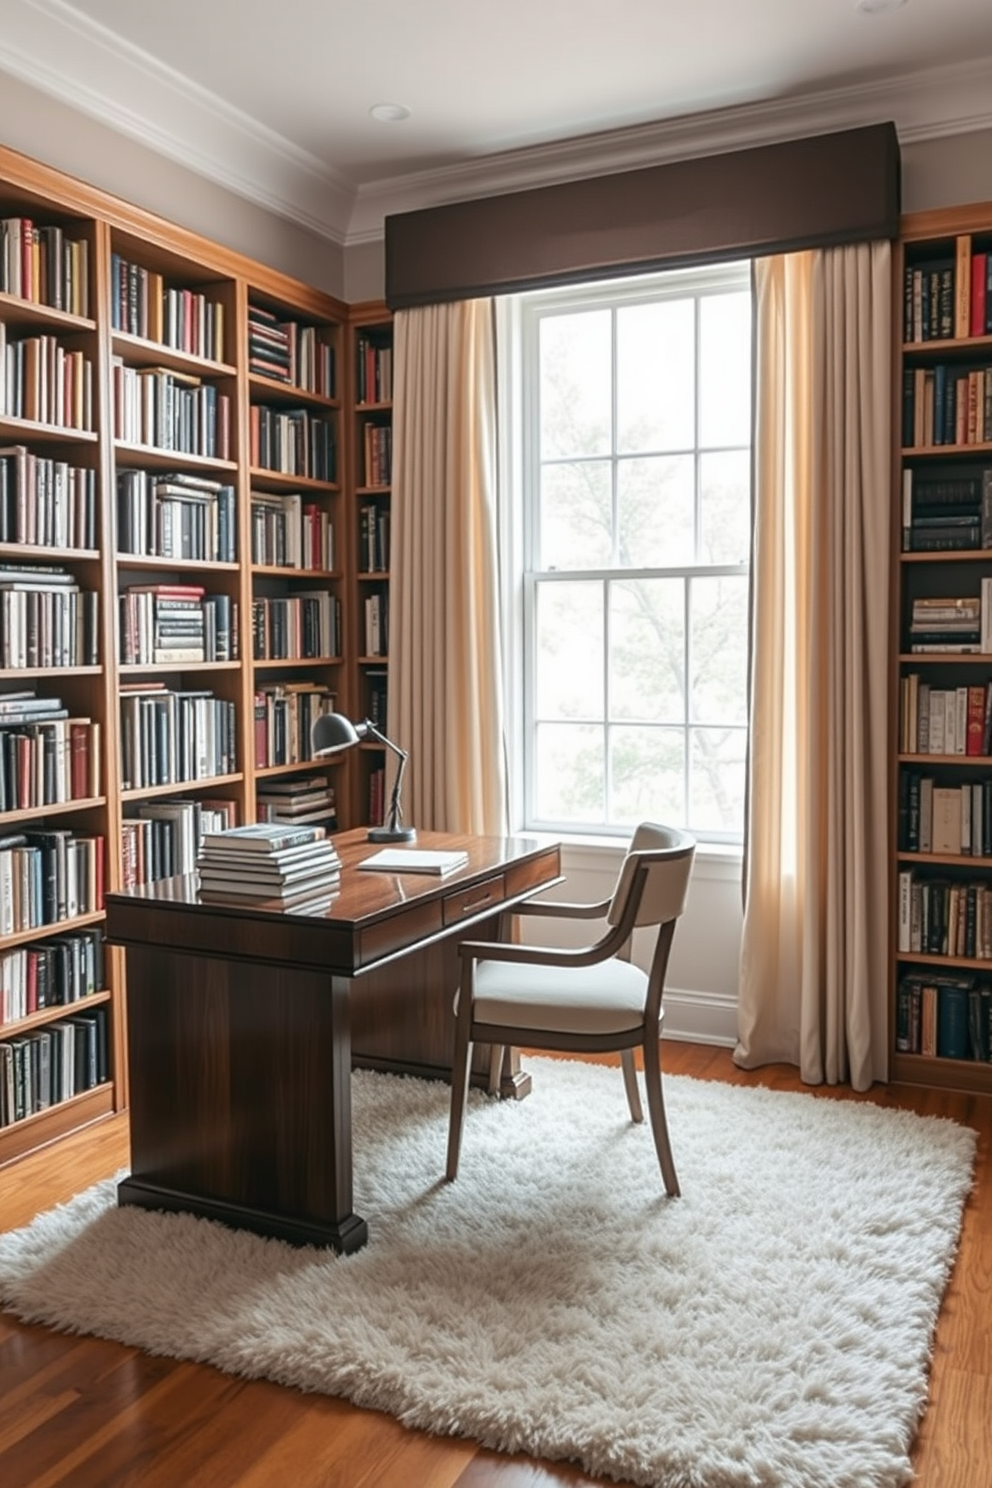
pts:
[828, 189]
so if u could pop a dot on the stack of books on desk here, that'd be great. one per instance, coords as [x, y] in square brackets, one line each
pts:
[269, 863]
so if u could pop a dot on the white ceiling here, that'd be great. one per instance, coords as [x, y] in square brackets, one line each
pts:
[272, 97]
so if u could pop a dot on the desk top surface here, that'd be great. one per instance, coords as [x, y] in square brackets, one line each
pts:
[369, 916]
[362, 895]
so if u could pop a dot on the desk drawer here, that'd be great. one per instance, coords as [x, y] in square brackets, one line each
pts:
[474, 899]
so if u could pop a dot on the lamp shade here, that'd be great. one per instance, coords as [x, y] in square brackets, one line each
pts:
[332, 732]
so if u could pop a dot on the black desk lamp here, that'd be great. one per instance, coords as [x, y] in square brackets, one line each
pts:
[331, 733]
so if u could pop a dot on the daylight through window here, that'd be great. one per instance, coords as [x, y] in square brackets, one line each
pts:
[635, 426]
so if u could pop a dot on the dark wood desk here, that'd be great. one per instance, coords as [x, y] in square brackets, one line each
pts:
[240, 1028]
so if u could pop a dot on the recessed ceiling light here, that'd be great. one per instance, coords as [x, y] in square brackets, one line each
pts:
[873, 7]
[391, 113]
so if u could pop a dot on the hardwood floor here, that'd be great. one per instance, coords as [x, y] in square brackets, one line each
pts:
[84, 1413]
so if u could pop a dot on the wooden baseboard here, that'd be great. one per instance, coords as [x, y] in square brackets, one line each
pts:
[51, 1174]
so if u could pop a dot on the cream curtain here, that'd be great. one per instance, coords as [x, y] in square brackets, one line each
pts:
[814, 967]
[445, 666]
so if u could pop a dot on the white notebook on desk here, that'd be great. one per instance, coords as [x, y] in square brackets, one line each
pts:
[415, 860]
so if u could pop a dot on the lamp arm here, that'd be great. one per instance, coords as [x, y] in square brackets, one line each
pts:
[395, 809]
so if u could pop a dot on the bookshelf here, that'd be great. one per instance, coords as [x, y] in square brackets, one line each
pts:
[177, 556]
[942, 983]
[371, 371]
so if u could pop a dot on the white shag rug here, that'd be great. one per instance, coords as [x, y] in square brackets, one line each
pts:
[770, 1329]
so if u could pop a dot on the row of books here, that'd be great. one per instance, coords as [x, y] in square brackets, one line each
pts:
[303, 800]
[289, 351]
[45, 501]
[45, 382]
[46, 763]
[957, 623]
[298, 626]
[172, 411]
[48, 875]
[946, 405]
[289, 532]
[176, 514]
[50, 973]
[949, 297]
[374, 370]
[170, 736]
[943, 1016]
[142, 304]
[936, 818]
[944, 720]
[377, 696]
[39, 262]
[172, 624]
[377, 795]
[49, 1065]
[944, 917]
[292, 441]
[163, 838]
[377, 454]
[286, 865]
[377, 624]
[946, 512]
[373, 537]
[46, 620]
[285, 713]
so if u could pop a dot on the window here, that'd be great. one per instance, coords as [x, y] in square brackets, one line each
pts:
[632, 539]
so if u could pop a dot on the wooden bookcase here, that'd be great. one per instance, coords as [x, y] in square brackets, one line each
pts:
[942, 985]
[215, 451]
[370, 368]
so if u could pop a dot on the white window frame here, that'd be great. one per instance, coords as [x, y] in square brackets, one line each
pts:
[518, 319]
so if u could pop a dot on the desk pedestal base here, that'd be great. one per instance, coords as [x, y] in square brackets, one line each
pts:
[345, 1236]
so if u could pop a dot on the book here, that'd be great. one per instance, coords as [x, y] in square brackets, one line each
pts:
[261, 837]
[415, 860]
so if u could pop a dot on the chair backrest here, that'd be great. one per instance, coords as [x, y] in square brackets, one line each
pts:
[667, 852]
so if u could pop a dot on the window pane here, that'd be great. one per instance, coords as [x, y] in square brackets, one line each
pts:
[569, 651]
[725, 507]
[647, 650]
[656, 512]
[569, 773]
[576, 517]
[575, 385]
[655, 396]
[718, 627]
[716, 780]
[725, 369]
[647, 775]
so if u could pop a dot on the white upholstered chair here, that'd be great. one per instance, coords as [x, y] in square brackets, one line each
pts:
[591, 1000]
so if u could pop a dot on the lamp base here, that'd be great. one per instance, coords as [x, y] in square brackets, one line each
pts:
[392, 834]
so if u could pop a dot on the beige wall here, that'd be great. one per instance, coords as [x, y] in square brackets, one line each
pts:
[38, 125]
[947, 172]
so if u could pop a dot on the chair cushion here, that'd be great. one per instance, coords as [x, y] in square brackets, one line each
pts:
[605, 998]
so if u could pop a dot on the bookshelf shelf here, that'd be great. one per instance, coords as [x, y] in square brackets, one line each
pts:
[942, 858]
[54, 808]
[33, 430]
[19, 313]
[52, 1014]
[155, 458]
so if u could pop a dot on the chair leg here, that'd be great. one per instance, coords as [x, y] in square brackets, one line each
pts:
[459, 1092]
[495, 1068]
[630, 1084]
[656, 1110]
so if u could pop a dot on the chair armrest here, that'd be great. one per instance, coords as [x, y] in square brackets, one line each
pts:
[560, 909]
[498, 950]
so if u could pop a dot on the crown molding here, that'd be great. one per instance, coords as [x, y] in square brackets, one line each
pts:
[49, 45]
[924, 105]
